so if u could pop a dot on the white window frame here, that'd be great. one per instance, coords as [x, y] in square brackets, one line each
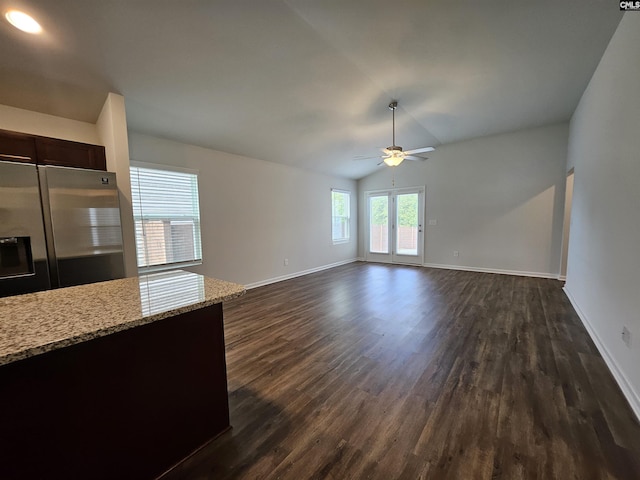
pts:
[347, 238]
[137, 216]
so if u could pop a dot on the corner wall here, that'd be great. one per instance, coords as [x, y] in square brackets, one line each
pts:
[254, 214]
[604, 265]
[112, 130]
[498, 200]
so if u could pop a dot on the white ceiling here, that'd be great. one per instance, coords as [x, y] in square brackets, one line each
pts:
[307, 82]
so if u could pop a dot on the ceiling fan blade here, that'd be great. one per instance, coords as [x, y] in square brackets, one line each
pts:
[419, 150]
[365, 158]
[413, 157]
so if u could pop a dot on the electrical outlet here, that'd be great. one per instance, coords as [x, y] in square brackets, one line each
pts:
[286, 262]
[626, 336]
[456, 253]
[433, 222]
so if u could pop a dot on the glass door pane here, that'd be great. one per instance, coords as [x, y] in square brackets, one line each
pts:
[407, 224]
[394, 226]
[379, 224]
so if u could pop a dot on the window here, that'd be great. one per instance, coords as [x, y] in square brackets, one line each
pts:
[340, 215]
[167, 218]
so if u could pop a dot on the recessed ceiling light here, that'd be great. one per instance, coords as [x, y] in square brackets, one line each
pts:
[22, 21]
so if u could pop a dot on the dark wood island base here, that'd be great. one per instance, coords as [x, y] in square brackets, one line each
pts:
[127, 405]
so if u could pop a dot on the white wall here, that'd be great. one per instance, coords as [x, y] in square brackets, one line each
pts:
[34, 123]
[254, 214]
[604, 263]
[498, 200]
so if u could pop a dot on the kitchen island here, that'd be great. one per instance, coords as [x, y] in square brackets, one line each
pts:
[118, 379]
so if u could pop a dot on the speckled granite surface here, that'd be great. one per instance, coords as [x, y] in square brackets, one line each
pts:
[40, 322]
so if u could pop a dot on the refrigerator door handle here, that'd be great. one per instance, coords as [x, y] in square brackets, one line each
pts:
[48, 227]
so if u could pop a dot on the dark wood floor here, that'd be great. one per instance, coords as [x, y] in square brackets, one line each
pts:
[393, 372]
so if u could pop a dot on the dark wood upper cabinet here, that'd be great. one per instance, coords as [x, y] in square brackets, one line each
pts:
[21, 147]
[17, 147]
[64, 153]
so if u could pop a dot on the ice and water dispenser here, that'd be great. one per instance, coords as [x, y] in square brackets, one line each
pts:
[15, 257]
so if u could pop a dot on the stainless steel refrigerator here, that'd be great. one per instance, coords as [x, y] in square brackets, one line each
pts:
[59, 227]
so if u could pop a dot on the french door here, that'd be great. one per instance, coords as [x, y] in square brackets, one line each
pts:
[395, 226]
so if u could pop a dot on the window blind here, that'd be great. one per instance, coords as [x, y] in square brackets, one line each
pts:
[166, 213]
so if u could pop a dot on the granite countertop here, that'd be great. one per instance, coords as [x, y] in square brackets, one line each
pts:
[39, 322]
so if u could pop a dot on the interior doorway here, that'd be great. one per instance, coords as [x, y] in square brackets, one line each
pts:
[395, 220]
[566, 231]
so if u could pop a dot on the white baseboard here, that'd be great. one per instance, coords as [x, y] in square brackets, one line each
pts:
[627, 388]
[492, 270]
[562, 278]
[289, 276]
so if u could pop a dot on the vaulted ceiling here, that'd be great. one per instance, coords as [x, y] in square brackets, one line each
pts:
[307, 82]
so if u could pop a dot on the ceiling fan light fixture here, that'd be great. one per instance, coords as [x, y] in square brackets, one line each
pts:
[394, 154]
[394, 159]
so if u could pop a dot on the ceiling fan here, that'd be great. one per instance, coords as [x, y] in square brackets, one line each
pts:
[394, 155]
